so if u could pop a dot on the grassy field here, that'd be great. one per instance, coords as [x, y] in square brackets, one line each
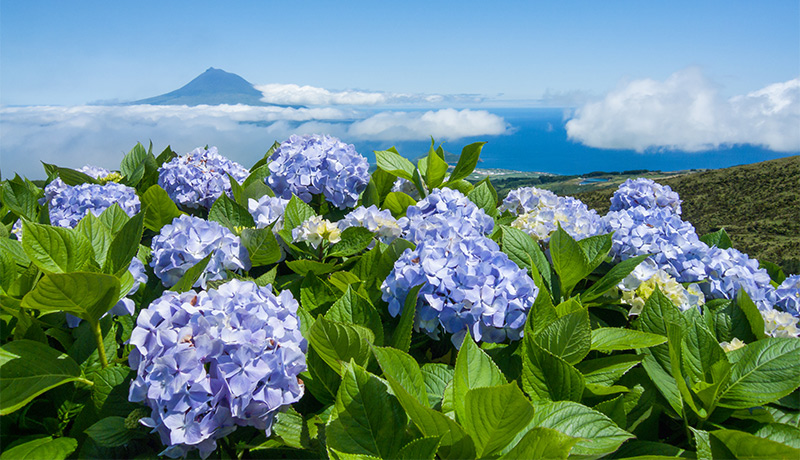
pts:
[757, 204]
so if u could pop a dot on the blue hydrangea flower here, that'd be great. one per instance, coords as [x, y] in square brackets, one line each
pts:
[211, 361]
[728, 270]
[467, 284]
[313, 165]
[787, 295]
[126, 305]
[572, 214]
[647, 193]
[267, 211]
[380, 222]
[675, 246]
[445, 213]
[56, 186]
[186, 241]
[527, 199]
[198, 178]
[71, 204]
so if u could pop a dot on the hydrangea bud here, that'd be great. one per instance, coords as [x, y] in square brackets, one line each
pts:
[312, 165]
[198, 178]
[734, 344]
[208, 362]
[188, 240]
[647, 193]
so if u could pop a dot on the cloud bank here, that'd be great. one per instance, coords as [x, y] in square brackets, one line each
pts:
[101, 135]
[685, 112]
[291, 94]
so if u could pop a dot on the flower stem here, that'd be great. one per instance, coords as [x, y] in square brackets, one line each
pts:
[98, 337]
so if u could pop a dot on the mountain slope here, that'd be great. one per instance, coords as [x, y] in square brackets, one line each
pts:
[757, 204]
[212, 87]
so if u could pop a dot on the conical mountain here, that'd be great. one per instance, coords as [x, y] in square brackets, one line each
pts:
[212, 87]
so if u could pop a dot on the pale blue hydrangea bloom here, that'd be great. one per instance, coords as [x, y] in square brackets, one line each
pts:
[467, 284]
[543, 219]
[674, 243]
[788, 295]
[126, 305]
[71, 204]
[728, 270]
[186, 241]
[267, 211]
[380, 222]
[198, 178]
[526, 199]
[647, 193]
[208, 362]
[56, 186]
[313, 165]
[780, 323]
[445, 213]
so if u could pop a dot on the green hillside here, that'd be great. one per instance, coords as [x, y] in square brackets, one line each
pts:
[757, 204]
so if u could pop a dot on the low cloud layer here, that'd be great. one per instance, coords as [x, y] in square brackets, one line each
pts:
[685, 112]
[291, 94]
[101, 135]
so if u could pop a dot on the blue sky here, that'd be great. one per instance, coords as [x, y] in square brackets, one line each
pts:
[65, 53]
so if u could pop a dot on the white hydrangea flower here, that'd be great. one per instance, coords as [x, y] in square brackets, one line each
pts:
[636, 295]
[780, 324]
[379, 222]
[315, 229]
[734, 344]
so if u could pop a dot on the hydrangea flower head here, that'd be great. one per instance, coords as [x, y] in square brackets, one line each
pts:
[780, 323]
[728, 270]
[647, 193]
[379, 222]
[315, 230]
[268, 210]
[467, 284]
[198, 178]
[188, 240]
[71, 204]
[526, 199]
[788, 295]
[734, 344]
[443, 214]
[56, 186]
[313, 165]
[682, 297]
[210, 361]
[572, 214]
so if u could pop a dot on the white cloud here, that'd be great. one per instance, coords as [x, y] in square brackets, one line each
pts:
[685, 112]
[101, 135]
[291, 94]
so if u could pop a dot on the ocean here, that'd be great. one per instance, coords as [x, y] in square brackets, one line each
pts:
[539, 142]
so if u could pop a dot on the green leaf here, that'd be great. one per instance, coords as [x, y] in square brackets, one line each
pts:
[521, 249]
[658, 310]
[106, 381]
[159, 209]
[393, 163]
[599, 435]
[74, 177]
[455, 443]
[546, 376]
[614, 409]
[303, 267]
[483, 197]
[85, 295]
[541, 314]
[541, 442]
[111, 432]
[767, 370]
[569, 260]
[727, 321]
[21, 196]
[352, 309]
[663, 381]
[702, 355]
[420, 449]
[466, 162]
[254, 187]
[192, 275]
[397, 203]
[28, 369]
[403, 368]
[41, 448]
[133, 165]
[98, 234]
[114, 218]
[719, 239]
[124, 246]
[569, 337]
[608, 339]
[354, 240]
[474, 368]
[436, 168]
[782, 433]
[401, 339]
[606, 371]
[366, 419]
[752, 313]
[745, 445]
[596, 248]
[617, 273]
[230, 214]
[437, 376]
[262, 246]
[494, 415]
[775, 271]
[55, 249]
[265, 159]
[320, 380]
[338, 342]
[297, 212]
[13, 249]
[236, 191]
